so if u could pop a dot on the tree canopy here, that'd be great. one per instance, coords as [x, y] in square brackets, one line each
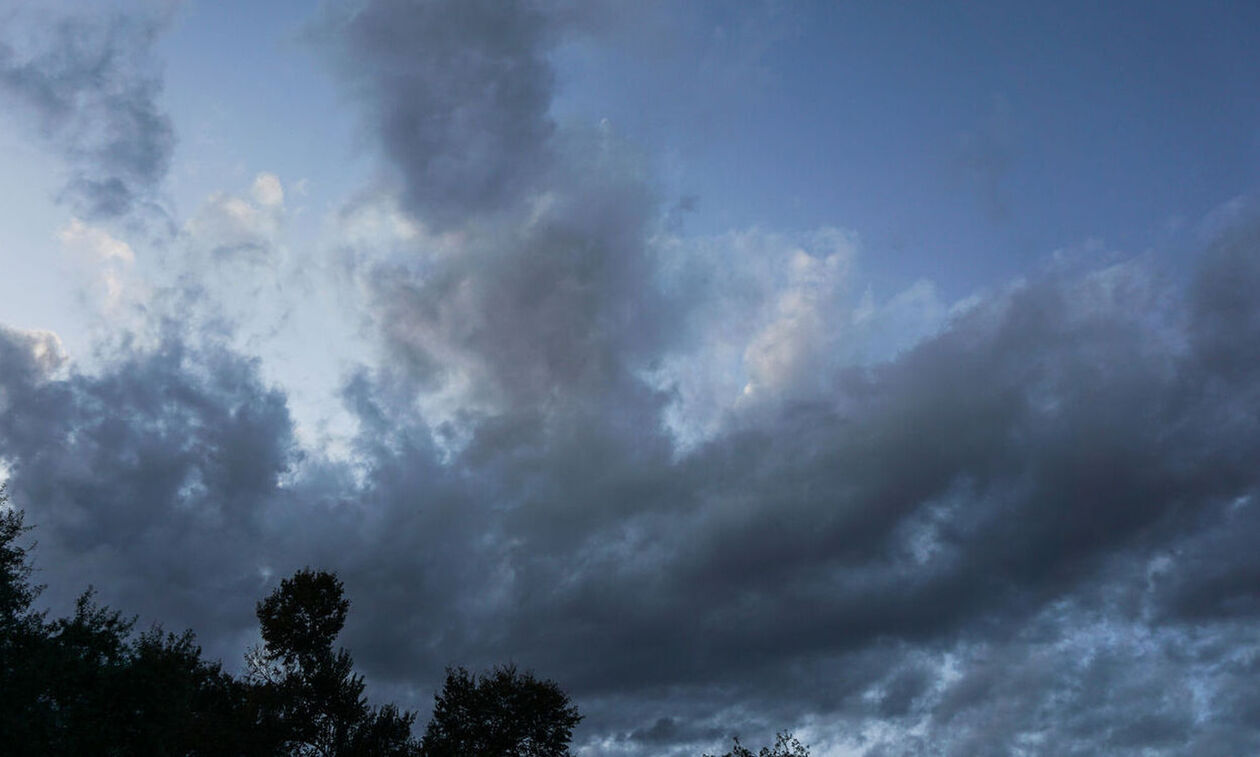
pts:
[502, 713]
[316, 699]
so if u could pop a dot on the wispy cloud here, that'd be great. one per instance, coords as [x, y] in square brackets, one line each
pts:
[87, 83]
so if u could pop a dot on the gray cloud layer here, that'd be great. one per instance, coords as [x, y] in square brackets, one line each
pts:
[1033, 530]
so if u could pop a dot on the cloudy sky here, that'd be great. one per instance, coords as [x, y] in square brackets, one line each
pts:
[887, 372]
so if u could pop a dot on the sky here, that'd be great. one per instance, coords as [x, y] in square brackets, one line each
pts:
[884, 372]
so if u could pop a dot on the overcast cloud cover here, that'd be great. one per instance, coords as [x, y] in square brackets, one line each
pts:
[536, 399]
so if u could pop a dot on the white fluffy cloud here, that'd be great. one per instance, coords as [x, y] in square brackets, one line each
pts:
[108, 263]
[231, 227]
[95, 242]
[771, 319]
[267, 190]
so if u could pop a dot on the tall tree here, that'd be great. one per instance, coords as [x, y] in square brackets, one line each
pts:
[22, 634]
[315, 695]
[501, 714]
[16, 591]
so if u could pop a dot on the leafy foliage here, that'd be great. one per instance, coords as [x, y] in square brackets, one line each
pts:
[504, 713]
[16, 592]
[302, 617]
[319, 702]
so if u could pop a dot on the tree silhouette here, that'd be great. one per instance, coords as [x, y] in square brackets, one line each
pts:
[315, 697]
[16, 591]
[501, 714]
[22, 638]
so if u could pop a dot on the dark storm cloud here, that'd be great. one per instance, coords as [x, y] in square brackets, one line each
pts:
[88, 84]
[171, 478]
[566, 304]
[825, 509]
[152, 476]
[1225, 321]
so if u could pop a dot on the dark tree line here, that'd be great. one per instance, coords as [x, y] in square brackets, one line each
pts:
[89, 684]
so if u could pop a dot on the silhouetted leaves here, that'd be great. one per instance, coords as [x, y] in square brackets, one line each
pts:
[16, 592]
[302, 617]
[318, 700]
[501, 713]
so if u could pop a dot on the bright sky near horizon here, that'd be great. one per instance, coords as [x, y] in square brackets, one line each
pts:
[882, 371]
